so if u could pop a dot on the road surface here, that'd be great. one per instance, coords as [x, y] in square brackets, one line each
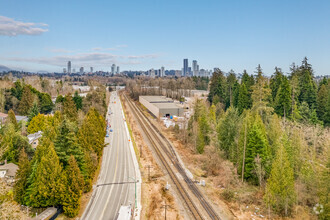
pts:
[117, 168]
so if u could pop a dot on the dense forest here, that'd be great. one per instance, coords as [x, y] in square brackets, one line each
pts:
[65, 161]
[275, 133]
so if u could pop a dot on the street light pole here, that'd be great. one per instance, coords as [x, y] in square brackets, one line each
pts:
[135, 190]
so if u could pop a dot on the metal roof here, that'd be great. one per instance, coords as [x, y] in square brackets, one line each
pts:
[156, 99]
[166, 105]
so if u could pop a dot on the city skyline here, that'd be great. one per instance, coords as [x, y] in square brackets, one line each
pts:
[232, 35]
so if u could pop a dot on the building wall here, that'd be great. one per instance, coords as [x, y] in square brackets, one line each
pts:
[171, 111]
[153, 109]
[2, 173]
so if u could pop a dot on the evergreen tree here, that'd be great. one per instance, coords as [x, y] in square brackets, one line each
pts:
[38, 123]
[47, 183]
[66, 144]
[22, 175]
[307, 86]
[249, 82]
[69, 108]
[17, 90]
[276, 82]
[236, 89]
[74, 184]
[227, 134]
[322, 99]
[78, 100]
[231, 80]
[200, 141]
[92, 132]
[217, 86]
[243, 99]
[46, 103]
[283, 99]
[280, 192]
[327, 113]
[34, 111]
[26, 101]
[12, 118]
[257, 145]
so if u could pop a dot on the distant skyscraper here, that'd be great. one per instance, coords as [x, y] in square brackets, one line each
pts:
[195, 68]
[91, 69]
[81, 70]
[69, 67]
[64, 70]
[73, 70]
[113, 68]
[185, 67]
[162, 71]
[152, 73]
[118, 71]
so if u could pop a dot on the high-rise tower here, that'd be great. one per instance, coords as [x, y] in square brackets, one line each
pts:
[195, 68]
[185, 67]
[69, 67]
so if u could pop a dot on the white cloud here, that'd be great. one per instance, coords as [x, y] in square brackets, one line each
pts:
[81, 59]
[10, 27]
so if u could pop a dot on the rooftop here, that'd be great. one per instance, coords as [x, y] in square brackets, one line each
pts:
[157, 99]
[11, 169]
[166, 105]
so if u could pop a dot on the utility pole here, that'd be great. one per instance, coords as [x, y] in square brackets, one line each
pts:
[149, 166]
[165, 207]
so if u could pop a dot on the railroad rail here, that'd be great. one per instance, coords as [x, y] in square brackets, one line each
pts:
[159, 142]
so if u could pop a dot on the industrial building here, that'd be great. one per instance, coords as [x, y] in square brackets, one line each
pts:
[161, 106]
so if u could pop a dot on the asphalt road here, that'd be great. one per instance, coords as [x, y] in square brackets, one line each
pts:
[117, 166]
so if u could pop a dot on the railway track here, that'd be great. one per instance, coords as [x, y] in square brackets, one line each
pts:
[160, 143]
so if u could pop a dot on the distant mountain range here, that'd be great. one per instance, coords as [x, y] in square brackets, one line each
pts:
[4, 68]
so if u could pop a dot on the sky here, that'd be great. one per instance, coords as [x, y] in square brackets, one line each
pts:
[39, 35]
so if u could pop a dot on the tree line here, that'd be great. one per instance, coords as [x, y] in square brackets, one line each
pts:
[65, 161]
[274, 131]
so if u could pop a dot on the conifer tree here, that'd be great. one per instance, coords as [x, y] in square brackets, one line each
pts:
[200, 141]
[275, 82]
[92, 132]
[322, 99]
[12, 118]
[236, 89]
[66, 144]
[69, 108]
[257, 144]
[217, 86]
[243, 99]
[283, 99]
[74, 184]
[46, 103]
[78, 100]
[307, 86]
[34, 111]
[280, 192]
[26, 101]
[227, 134]
[47, 181]
[22, 175]
[38, 123]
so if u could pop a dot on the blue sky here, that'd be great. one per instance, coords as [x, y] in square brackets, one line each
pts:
[139, 35]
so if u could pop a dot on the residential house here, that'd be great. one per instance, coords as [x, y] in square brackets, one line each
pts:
[8, 172]
[34, 139]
